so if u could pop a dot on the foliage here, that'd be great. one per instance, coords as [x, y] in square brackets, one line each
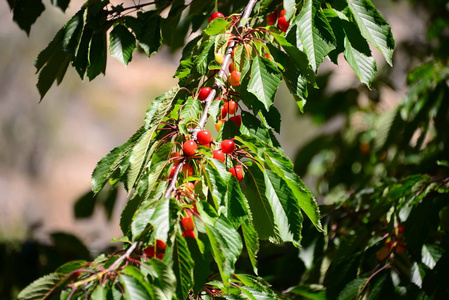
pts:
[189, 224]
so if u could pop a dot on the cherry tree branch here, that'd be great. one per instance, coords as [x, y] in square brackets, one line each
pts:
[217, 85]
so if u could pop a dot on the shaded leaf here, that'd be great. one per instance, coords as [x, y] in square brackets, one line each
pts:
[122, 44]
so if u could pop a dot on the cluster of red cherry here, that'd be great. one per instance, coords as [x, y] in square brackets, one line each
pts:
[281, 20]
[157, 250]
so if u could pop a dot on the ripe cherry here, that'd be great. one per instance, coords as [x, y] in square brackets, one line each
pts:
[224, 111]
[218, 154]
[231, 107]
[187, 223]
[267, 56]
[204, 92]
[189, 147]
[283, 24]
[188, 186]
[189, 233]
[237, 120]
[231, 67]
[161, 244]
[176, 158]
[227, 146]
[215, 15]
[237, 172]
[219, 124]
[160, 256]
[204, 137]
[282, 13]
[271, 18]
[149, 251]
[172, 172]
[234, 78]
[187, 169]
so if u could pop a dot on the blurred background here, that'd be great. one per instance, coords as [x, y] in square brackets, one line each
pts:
[48, 150]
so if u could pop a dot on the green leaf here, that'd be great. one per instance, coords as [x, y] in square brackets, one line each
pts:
[264, 81]
[26, 12]
[137, 157]
[147, 28]
[236, 206]
[289, 6]
[373, 27]
[100, 293]
[262, 214]
[111, 162]
[122, 44]
[314, 33]
[286, 211]
[161, 220]
[182, 267]
[299, 58]
[72, 33]
[160, 107]
[165, 283]
[358, 54]
[251, 240]
[191, 110]
[81, 61]
[135, 285]
[352, 289]
[207, 49]
[41, 288]
[216, 183]
[304, 198]
[217, 26]
[97, 54]
[227, 246]
[84, 206]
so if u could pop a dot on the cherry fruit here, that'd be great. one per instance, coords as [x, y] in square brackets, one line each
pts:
[187, 223]
[271, 18]
[227, 146]
[237, 120]
[189, 147]
[189, 233]
[218, 154]
[215, 15]
[204, 137]
[161, 244]
[187, 169]
[231, 107]
[283, 24]
[204, 92]
[234, 78]
[219, 124]
[237, 172]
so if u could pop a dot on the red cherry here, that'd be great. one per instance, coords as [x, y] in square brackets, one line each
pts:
[218, 154]
[189, 233]
[172, 172]
[224, 111]
[195, 209]
[149, 251]
[187, 223]
[227, 146]
[231, 107]
[204, 137]
[237, 120]
[283, 24]
[187, 169]
[215, 15]
[271, 18]
[203, 93]
[188, 186]
[282, 13]
[237, 172]
[189, 147]
[161, 244]
[231, 67]
[176, 157]
[219, 124]
[267, 56]
[160, 256]
[234, 78]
